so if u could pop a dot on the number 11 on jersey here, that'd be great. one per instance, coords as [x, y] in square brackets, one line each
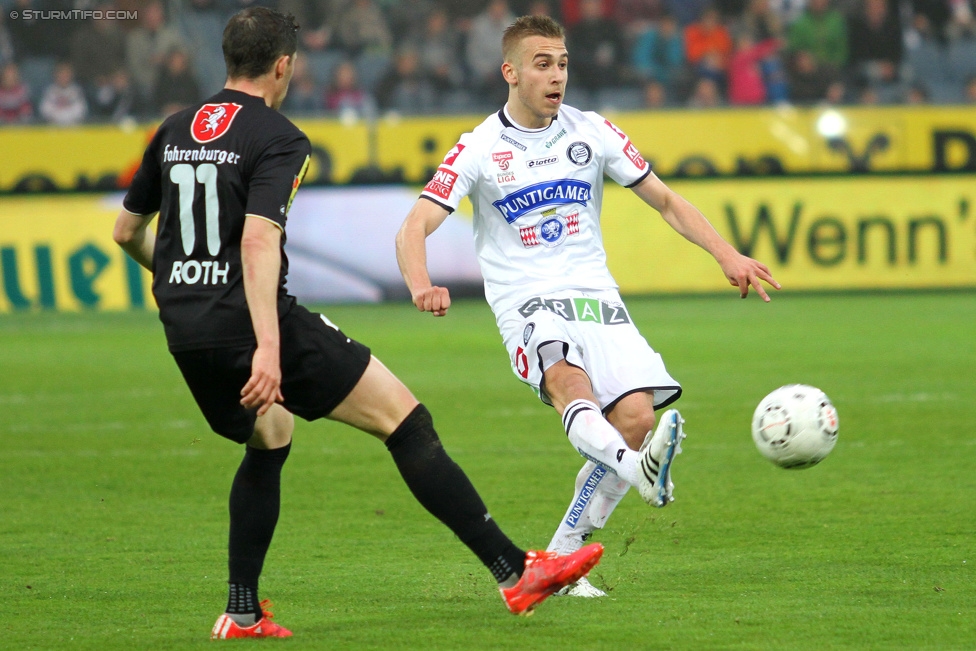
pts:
[186, 177]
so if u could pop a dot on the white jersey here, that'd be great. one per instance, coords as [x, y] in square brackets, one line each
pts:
[537, 198]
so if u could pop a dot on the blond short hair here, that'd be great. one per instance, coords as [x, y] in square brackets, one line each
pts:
[526, 26]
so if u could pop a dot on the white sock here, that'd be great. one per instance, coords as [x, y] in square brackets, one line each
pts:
[597, 440]
[598, 491]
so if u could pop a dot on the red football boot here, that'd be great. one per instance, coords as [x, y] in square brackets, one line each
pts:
[226, 628]
[546, 573]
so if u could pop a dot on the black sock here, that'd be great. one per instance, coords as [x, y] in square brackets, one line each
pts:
[243, 600]
[255, 500]
[442, 488]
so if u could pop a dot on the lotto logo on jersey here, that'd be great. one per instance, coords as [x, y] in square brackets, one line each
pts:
[542, 162]
[442, 183]
[635, 156]
[212, 121]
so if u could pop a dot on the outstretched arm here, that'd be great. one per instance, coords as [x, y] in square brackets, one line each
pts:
[740, 270]
[411, 251]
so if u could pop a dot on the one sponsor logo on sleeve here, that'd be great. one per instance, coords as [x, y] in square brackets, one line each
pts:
[634, 155]
[614, 128]
[442, 183]
[453, 154]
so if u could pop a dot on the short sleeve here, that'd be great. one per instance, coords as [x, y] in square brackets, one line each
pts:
[456, 176]
[276, 177]
[145, 192]
[624, 163]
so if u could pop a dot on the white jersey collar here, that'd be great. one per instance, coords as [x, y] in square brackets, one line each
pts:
[506, 119]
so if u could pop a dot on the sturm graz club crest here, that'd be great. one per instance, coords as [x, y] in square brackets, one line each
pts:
[551, 231]
[579, 153]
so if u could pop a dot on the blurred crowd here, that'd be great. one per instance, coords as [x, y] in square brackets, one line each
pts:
[361, 58]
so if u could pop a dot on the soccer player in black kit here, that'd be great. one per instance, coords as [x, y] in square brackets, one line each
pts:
[221, 176]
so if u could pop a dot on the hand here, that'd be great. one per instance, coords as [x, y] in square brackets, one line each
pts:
[433, 299]
[263, 388]
[743, 272]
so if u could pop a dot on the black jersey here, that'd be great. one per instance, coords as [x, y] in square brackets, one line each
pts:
[206, 168]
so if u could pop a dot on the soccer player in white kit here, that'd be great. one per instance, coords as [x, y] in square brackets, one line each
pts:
[534, 174]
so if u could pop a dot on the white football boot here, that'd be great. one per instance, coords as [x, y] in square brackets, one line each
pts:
[657, 455]
[582, 588]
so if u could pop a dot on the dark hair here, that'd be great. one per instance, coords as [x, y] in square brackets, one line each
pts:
[254, 39]
[526, 26]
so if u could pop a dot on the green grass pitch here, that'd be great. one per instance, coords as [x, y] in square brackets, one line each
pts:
[113, 492]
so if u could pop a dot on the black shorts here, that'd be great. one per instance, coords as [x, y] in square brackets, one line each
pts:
[319, 367]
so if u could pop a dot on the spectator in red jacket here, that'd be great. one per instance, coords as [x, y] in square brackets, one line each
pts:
[746, 83]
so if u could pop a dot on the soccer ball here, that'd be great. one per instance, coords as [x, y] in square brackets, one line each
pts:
[795, 426]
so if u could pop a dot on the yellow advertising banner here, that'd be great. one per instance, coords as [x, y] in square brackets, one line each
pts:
[832, 233]
[809, 140]
[57, 253]
[742, 142]
[895, 232]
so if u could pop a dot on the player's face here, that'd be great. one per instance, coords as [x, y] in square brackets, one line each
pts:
[540, 81]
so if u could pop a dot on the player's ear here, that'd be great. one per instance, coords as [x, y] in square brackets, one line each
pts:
[509, 73]
[281, 65]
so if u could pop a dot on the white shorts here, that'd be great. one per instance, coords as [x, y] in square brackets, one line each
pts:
[598, 336]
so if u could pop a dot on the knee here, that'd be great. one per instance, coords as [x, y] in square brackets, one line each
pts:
[273, 429]
[633, 424]
[563, 383]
